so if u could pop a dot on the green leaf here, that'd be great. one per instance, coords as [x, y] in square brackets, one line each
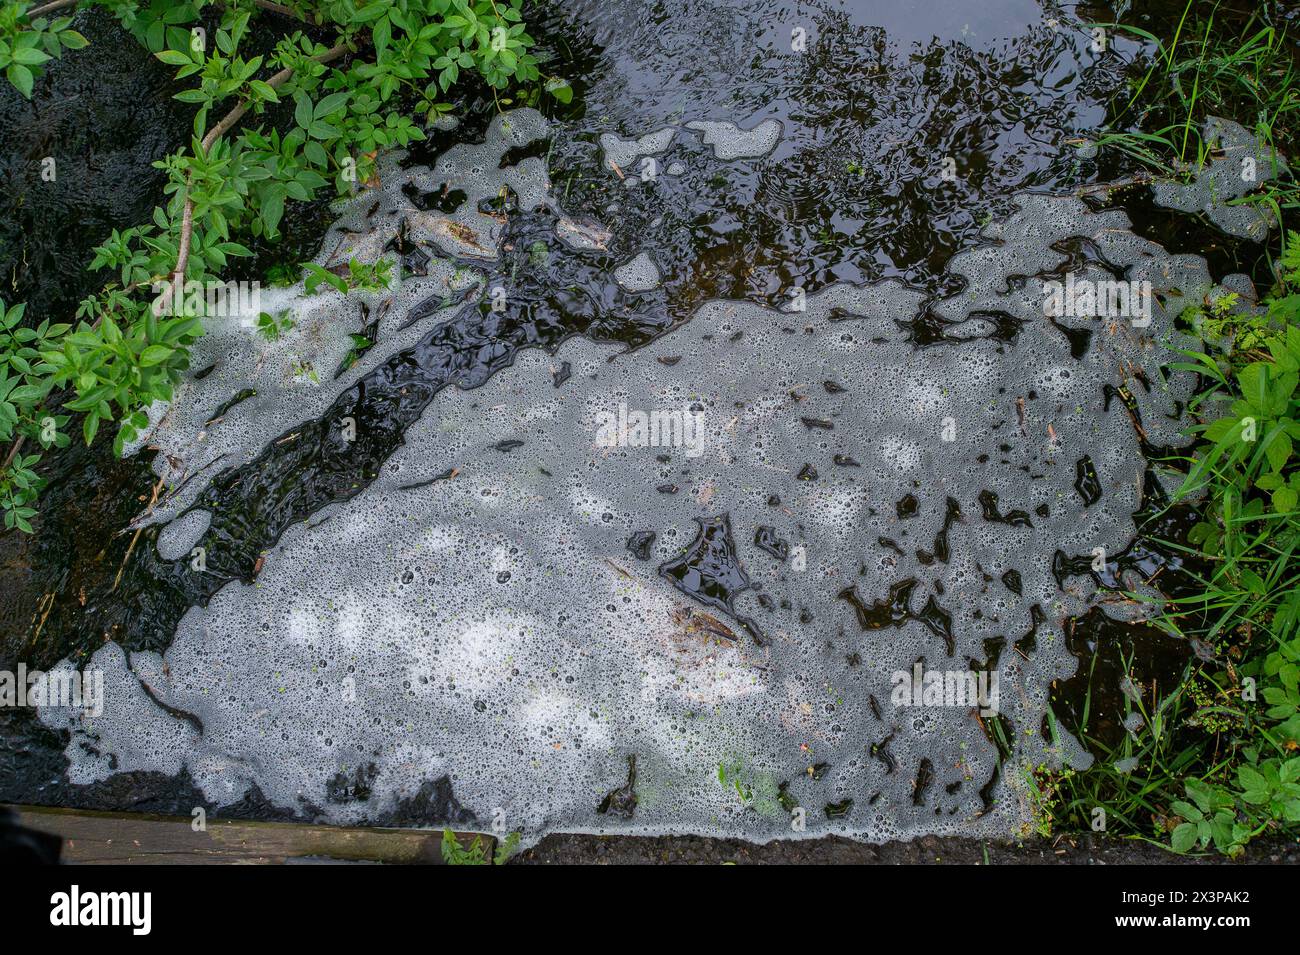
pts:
[315, 153]
[30, 56]
[382, 34]
[28, 394]
[155, 355]
[272, 211]
[331, 104]
[1253, 380]
[1199, 794]
[1184, 837]
[561, 90]
[1220, 428]
[1252, 581]
[1251, 779]
[125, 433]
[265, 90]
[155, 35]
[1278, 450]
[21, 77]
[302, 110]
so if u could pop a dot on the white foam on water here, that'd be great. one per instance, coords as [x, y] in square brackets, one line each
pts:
[1239, 165]
[623, 153]
[496, 627]
[640, 274]
[730, 142]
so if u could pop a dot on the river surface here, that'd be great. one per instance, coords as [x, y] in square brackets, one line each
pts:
[809, 288]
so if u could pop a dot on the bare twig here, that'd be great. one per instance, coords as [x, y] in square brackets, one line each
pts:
[215, 133]
[1141, 179]
[152, 501]
[13, 452]
[279, 8]
[50, 8]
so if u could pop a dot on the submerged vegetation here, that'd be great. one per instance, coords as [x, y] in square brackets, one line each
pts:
[1213, 761]
[293, 101]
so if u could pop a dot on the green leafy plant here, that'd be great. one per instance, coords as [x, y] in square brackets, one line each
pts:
[28, 41]
[368, 277]
[506, 848]
[1252, 444]
[361, 75]
[1230, 816]
[1217, 768]
[1211, 764]
[756, 789]
[733, 776]
[305, 369]
[360, 345]
[271, 327]
[453, 853]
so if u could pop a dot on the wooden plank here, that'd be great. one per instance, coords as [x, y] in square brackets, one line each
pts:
[141, 839]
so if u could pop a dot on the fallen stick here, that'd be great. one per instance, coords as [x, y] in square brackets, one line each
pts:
[136, 537]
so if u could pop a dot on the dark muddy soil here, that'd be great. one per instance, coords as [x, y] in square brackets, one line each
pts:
[834, 850]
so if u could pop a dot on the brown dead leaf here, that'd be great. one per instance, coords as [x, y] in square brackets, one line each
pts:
[698, 623]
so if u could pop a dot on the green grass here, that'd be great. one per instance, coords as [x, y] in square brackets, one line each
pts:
[1216, 760]
[1219, 60]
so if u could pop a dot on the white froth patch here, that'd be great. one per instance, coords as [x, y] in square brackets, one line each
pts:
[640, 274]
[838, 509]
[546, 712]
[481, 653]
[131, 734]
[689, 674]
[589, 507]
[623, 153]
[531, 690]
[730, 142]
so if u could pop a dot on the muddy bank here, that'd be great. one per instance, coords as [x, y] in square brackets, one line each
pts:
[567, 849]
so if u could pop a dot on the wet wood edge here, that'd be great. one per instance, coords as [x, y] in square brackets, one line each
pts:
[93, 837]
